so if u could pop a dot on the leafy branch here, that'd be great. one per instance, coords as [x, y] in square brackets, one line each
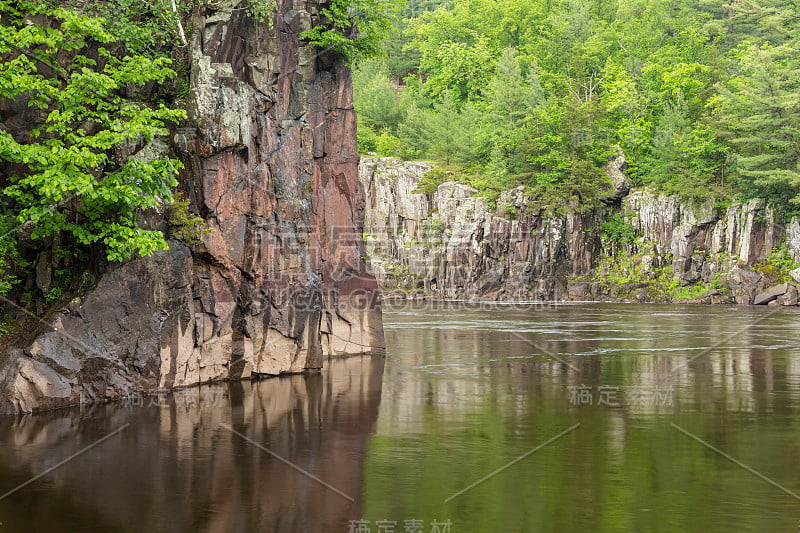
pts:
[354, 28]
[64, 177]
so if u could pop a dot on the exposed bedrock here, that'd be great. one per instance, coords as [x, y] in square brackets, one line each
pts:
[451, 244]
[279, 283]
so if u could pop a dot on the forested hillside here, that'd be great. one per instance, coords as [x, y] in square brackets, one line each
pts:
[701, 95]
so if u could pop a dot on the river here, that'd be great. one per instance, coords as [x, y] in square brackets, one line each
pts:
[491, 417]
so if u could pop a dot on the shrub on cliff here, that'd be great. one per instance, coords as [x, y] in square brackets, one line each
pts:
[616, 228]
[354, 28]
[778, 265]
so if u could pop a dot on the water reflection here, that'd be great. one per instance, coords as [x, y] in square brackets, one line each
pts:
[461, 393]
[468, 391]
[703, 354]
[176, 467]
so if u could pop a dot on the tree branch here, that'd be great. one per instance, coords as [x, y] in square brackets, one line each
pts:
[181, 33]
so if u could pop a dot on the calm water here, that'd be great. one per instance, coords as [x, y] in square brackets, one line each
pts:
[500, 418]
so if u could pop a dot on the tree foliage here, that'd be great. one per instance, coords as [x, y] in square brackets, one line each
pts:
[353, 28]
[760, 113]
[64, 175]
[701, 96]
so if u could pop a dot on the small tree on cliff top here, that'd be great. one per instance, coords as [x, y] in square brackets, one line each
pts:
[354, 28]
[61, 176]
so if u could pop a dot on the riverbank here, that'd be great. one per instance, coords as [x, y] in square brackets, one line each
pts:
[643, 246]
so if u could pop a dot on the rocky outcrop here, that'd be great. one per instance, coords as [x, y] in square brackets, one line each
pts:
[771, 294]
[451, 244]
[279, 283]
[705, 243]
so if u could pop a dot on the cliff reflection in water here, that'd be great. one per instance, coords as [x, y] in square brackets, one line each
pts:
[454, 357]
[177, 468]
[478, 402]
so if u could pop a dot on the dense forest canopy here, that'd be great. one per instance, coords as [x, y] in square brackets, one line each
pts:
[703, 96]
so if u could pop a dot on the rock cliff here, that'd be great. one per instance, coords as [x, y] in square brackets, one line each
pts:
[279, 283]
[451, 244]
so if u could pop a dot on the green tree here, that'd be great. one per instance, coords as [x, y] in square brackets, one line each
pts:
[439, 133]
[510, 96]
[645, 75]
[684, 156]
[64, 176]
[376, 97]
[565, 149]
[354, 28]
[762, 21]
[760, 113]
[455, 57]
[511, 101]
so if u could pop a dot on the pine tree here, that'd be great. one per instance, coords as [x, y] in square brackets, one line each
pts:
[761, 21]
[446, 131]
[376, 100]
[511, 97]
[761, 115]
[665, 156]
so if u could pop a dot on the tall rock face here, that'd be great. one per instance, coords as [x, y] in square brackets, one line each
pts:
[279, 283]
[451, 244]
[704, 243]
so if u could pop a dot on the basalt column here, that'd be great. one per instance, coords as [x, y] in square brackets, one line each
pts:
[277, 174]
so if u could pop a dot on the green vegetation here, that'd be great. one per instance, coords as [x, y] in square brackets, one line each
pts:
[11, 260]
[436, 226]
[777, 266]
[94, 82]
[430, 181]
[698, 290]
[617, 229]
[61, 280]
[353, 28]
[625, 275]
[7, 326]
[64, 176]
[152, 27]
[631, 275]
[261, 9]
[184, 225]
[701, 96]
[142, 27]
[508, 210]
